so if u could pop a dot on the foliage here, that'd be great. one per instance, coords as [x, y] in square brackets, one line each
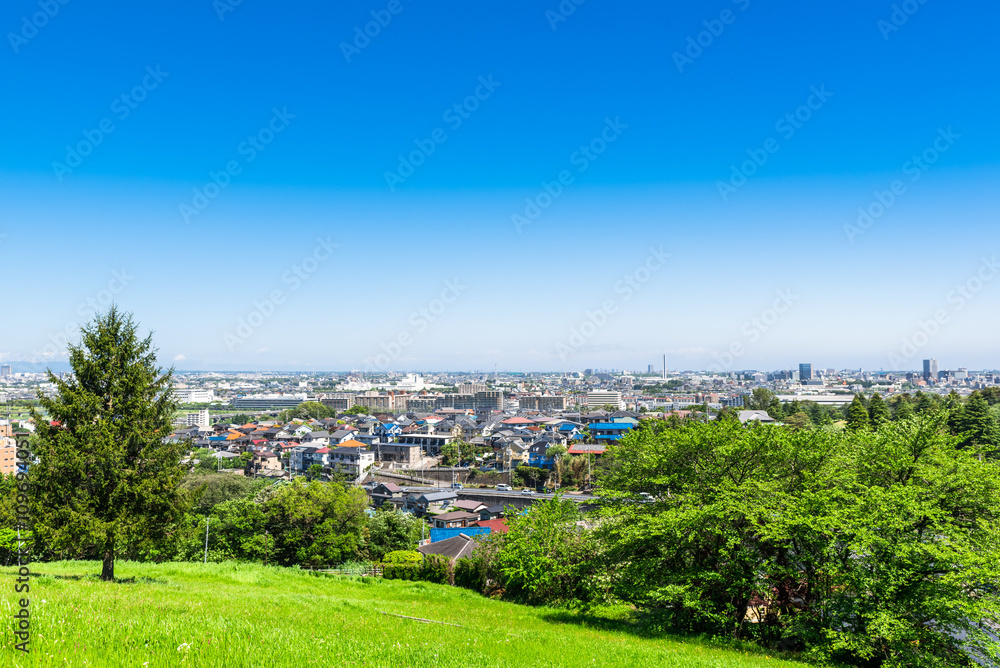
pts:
[857, 415]
[316, 524]
[545, 557]
[403, 557]
[857, 547]
[390, 531]
[106, 481]
[210, 490]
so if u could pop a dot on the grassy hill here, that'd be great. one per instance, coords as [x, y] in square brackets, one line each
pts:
[229, 615]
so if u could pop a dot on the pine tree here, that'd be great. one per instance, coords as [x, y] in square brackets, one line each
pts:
[977, 426]
[877, 411]
[857, 415]
[106, 482]
[904, 410]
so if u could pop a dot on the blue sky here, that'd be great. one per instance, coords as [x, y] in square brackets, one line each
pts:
[643, 110]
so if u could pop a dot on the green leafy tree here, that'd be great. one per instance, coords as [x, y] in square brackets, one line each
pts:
[316, 524]
[545, 558]
[878, 413]
[315, 472]
[357, 410]
[107, 482]
[852, 545]
[799, 420]
[857, 415]
[391, 530]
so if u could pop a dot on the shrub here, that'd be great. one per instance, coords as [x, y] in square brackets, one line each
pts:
[404, 557]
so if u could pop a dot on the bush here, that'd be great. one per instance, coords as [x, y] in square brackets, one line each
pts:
[403, 557]
[471, 573]
[436, 568]
[401, 571]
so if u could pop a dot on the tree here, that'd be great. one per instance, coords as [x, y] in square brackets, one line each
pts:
[391, 530]
[314, 472]
[878, 414]
[977, 426]
[798, 420]
[862, 548]
[857, 415]
[316, 524]
[544, 557]
[106, 480]
[357, 410]
[761, 399]
[902, 408]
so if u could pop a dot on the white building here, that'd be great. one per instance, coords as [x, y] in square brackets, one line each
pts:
[195, 396]
[199, 419]
[598, 399]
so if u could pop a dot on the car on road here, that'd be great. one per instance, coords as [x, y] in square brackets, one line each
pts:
[457, 485]
[504, 488]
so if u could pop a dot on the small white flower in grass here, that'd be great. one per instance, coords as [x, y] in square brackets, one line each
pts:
[183, 647]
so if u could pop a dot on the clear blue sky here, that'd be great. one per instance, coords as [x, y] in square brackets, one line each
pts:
[331, 112]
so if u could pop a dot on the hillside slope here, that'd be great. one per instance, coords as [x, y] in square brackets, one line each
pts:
[248, 615]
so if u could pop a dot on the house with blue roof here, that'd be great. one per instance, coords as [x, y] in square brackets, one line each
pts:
[609, 431]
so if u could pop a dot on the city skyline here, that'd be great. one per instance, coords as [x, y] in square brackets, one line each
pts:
[566, 191]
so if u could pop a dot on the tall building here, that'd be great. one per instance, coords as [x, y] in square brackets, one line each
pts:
[6, 370]
[805, 372]
[930, 369]
[598, 399]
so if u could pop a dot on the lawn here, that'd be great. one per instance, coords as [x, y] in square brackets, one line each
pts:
[234, 615]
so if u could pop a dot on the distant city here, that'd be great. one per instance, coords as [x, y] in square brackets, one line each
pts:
[654, 389]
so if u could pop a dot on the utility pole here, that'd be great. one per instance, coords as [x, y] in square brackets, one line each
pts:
[207, 520]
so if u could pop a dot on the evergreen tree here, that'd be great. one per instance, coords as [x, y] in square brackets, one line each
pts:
[877, 411]
[977, 426]
[904, 410]
[106, 483]
[857, 415]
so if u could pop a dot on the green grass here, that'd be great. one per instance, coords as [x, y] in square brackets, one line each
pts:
[235, 615]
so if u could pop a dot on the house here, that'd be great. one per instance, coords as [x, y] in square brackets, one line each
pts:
[266, 461]
[430, 502]
[316, 438]
[754, 416]
[352, 459]
[453, 549]
[469, 506]
[385, 491]
[609, 431]
[492, 513]
[455, 519]
[407, 454]
[497, 525]
[593, 449]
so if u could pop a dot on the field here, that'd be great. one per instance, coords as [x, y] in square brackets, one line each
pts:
[229, 615]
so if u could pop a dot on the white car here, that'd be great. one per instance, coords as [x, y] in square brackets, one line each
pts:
[504, 488]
